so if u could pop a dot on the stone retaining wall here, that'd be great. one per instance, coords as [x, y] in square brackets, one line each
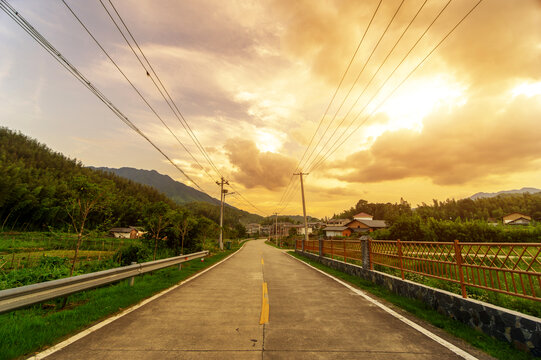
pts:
[523, 331]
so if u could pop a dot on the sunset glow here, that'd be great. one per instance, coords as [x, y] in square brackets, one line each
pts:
[254, 81]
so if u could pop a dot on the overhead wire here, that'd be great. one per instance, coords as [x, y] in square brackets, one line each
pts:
[134, 87]
[331, 101]
[376, 73]
[396, 88]
[168, 99]
[358, 76]
[72, 69]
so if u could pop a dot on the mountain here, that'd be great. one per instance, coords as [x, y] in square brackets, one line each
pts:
[197, 201]
[38, 188]
[483, 195]
[175, 190]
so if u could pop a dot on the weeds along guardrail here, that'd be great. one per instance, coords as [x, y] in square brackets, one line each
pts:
[508, 268]
[15, 298]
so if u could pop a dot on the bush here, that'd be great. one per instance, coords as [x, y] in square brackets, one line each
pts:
[132, 253]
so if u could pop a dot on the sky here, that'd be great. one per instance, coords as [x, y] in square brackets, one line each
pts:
[372, 99]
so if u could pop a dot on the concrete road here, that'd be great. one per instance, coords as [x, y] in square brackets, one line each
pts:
[217, 316]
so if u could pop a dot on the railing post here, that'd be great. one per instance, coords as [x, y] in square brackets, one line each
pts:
[458, 259]
[345, 254]
[370, 260]
[332, 249]
[365, 252]
[400, 258]
[132, 279]
[320, 247]
[302, 244]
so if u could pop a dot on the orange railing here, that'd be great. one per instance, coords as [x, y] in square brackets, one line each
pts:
[509, 268]
[343, 249]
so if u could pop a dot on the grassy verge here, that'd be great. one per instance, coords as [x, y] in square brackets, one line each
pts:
[285, 247]
[28, 330]
[491, 346]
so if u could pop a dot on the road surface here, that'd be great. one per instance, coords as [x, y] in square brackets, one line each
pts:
[218, 315]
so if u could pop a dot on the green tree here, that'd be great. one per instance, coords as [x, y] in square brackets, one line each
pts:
[156, 220]
[87, 197]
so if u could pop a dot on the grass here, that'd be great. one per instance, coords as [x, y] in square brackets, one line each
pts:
[491, 346]
[31, 329]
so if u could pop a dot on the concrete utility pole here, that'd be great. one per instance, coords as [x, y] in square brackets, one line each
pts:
[303, 211]
[276, 228]
[222, 198]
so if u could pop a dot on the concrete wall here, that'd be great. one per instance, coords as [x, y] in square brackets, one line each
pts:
[523, 331]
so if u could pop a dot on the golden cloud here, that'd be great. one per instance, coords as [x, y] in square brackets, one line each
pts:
[471, 143]
[255, 168]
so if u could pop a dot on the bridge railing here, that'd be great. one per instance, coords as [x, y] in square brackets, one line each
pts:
[509, 268]
[15, 298]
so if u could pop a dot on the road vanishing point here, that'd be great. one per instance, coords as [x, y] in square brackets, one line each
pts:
[262, 303]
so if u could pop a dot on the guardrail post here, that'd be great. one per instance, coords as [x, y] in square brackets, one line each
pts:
[132, 279]
[320, 247]
[400, 258]
[458, 259]
[180, 265]
[365, 252]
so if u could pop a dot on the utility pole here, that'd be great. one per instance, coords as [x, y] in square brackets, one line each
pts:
[222, 198]
[276, 228]
[303, 211]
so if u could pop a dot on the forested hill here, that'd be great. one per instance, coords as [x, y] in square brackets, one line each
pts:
[175, 190]
[37, 185]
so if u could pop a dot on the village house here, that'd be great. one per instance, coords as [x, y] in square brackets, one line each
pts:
[366, 225]
[516, 219]
[337, 222]
[363, 216]
[334, 231]
[253, 229]
[126, 233]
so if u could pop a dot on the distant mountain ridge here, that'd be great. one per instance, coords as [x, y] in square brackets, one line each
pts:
[481, 195]
[176, 191]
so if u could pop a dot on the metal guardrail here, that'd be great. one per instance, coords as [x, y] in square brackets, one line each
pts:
[15, 298]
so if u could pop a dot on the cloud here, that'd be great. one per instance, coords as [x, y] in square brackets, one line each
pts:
[471, 143]
[254, 168]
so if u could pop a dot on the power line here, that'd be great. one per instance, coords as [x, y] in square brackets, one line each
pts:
[168, 99]
[375, 74]
[133, 86]
[341, 81]
[332, 99]
[396, 88]
[40, 39]
[358, 76]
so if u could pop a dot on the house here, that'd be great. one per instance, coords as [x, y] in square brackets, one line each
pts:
[363, 216]
[316, 225]
[516, 219]
[337, 222]
[126, 233]
[333, 231]
[253, 228]
[366, 225]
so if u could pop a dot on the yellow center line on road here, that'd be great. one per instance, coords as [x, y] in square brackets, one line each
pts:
[264, 306]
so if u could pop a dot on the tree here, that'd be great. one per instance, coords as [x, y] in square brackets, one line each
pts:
[156, 220]
[87, 197]
[182, 221]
